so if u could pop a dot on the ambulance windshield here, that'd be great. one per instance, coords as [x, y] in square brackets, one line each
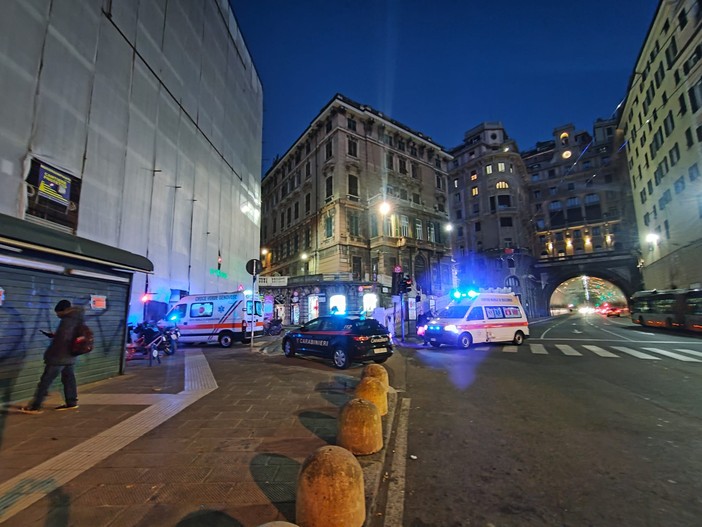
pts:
[457, 310]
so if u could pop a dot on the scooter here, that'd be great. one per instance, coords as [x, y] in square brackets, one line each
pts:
[273, 327]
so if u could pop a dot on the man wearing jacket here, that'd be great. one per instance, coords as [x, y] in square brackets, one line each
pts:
[59, 359]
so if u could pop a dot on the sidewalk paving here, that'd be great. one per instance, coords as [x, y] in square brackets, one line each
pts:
[211, 436]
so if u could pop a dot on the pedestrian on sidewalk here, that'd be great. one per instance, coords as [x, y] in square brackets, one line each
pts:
[59, 359]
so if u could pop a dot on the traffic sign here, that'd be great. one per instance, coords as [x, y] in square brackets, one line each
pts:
[254, 266]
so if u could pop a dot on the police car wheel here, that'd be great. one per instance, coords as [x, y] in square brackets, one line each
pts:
[226, 339]
[436, 344]
[341, 359]
[288, 349]
[518, 338]
[465, 340]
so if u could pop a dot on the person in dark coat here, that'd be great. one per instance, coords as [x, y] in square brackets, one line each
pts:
[59, 359]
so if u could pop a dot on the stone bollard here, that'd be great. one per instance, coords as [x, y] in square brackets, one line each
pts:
[330, 490]
[360, 427]
[377, 371]
[278, 524]
[372, 389]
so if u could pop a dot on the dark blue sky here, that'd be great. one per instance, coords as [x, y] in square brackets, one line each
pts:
[443, 66]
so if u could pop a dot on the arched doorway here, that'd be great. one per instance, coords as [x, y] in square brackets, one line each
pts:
[422, 276]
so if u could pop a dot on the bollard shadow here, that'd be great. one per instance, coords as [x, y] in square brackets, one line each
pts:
[323, 425]
[276, 476]
[208, 518]
[339, 390]
[59, 509]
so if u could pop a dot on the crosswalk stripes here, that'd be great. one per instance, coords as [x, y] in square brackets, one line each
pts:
[681, 354]
[600, 351]
[672, 355]
[635, 353]
[538, 349]
[568, 350]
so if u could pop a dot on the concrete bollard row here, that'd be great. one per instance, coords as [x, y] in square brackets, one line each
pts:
[330, 487]
[360, 427]
[330, 490]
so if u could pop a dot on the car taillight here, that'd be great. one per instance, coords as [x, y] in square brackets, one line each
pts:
[361, 338]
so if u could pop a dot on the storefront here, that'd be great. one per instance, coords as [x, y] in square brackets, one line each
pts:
[40, 266]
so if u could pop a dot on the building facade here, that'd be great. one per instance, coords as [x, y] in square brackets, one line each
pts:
[355, 198]
[130, 154]
[661, 120]
[488, 202]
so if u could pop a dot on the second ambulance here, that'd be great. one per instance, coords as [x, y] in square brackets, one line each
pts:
[478, 318]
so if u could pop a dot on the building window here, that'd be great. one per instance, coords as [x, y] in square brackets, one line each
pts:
[500, 167]
[674, 155]
[474, 191]
[506, 222]
[477, 226]
[431, 235]
[388, 161]
[418, 231]
[308, 203]
[473, 175]
[679, 185]
[403, 165]
[353, 185]
[329, 184]
[329, 125]
[414, 170]
[502, 184]
[353, 147]
[351, 123]
[329, 226]
[457, 197]
[439, 182]
[488, 169]
[297, 210]
[695, 94]
[455, 183]
[353, 223]
[328, 150]
[693, 172]
[404, 226]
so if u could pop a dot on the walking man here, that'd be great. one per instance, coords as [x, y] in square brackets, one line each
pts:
[58, 358]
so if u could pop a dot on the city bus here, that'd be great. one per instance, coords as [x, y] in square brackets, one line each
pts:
[672, 309]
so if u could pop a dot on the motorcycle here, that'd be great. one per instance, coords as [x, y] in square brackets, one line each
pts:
[152, 341]
[273, 327]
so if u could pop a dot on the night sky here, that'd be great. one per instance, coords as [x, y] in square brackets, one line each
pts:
[443, 67]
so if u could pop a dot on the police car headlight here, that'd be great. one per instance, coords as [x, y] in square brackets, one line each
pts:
[452, 328]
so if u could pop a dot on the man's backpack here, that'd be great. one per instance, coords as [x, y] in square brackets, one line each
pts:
[84, 340]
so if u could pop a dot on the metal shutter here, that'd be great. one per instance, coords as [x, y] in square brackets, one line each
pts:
[30, 297]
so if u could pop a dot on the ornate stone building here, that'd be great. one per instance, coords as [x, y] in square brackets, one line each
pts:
[356, 197]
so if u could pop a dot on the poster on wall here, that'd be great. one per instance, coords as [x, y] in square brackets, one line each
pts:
[98, 302]
[54, 185]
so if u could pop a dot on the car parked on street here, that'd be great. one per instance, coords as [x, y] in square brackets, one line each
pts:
[342, 338]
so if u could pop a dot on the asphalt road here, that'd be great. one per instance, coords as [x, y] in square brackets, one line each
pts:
[592, 422]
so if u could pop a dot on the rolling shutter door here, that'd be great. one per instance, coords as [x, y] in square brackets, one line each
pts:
[30, 297]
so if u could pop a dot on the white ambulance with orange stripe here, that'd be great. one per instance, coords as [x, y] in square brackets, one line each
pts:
[478, 317]
[216, 318]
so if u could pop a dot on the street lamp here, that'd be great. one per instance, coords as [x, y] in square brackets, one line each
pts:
[304, 257]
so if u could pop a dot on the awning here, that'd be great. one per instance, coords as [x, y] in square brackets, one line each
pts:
[23, 234]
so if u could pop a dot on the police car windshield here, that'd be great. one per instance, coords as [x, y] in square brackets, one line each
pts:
[455, 311]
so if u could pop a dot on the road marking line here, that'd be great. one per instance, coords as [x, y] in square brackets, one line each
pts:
[691, 352]
[23, 490]
[601, 352]
[510, 349]
[568, 350]
[395, 508]
[635, 353]
[538, 349]
[672, 355]
[481, 348]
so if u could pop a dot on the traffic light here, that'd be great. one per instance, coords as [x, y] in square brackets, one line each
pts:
[396, 281]
[406, 284]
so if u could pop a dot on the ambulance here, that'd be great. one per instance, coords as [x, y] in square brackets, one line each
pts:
[216, 318]
[479, 317]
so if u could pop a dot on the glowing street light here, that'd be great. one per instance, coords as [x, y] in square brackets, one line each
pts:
[652, 237]
[384, 208]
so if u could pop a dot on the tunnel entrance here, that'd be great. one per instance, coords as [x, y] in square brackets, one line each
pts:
[586, 294]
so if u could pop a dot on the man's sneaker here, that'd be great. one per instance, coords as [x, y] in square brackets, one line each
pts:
[66, 407]
[30, 410]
